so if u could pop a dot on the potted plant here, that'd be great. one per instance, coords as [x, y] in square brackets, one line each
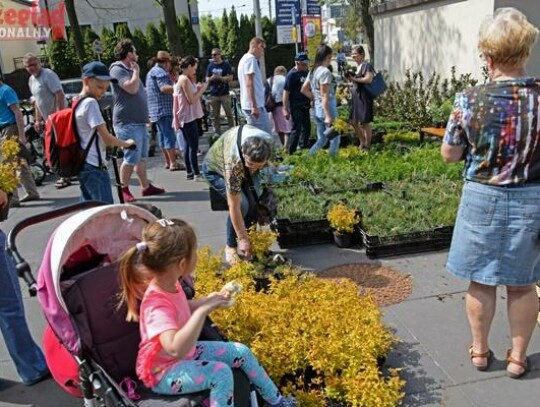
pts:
[9, 148]
[342, 220]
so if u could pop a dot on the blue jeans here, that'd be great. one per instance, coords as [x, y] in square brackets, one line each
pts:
[322, 140]
[218, 183]
[167, 135]
[95, 184]
[191, 135]
[138, 133]
[262, 122]
[24, 352]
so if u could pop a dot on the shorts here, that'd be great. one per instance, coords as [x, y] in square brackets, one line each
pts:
[496, 238]
[166, 133]
[138, 133]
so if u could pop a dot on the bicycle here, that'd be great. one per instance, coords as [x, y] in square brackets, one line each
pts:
[34, 149]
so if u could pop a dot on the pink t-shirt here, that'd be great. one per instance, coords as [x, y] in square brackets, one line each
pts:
[160, 311]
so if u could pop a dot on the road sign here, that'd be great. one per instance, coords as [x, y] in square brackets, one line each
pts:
[97, 48]
[288, 12]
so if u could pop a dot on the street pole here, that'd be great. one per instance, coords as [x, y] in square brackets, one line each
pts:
[258, 33]
[270, 8]
[295, 31]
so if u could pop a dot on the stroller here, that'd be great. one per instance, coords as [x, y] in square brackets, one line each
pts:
[78, 287]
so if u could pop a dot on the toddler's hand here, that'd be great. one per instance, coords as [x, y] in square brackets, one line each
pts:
[215, 301]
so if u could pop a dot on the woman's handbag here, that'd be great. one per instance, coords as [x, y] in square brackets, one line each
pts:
[377, 86]
[269, 101]
[265, 205]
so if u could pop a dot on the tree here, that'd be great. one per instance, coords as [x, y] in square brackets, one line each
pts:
[352, 24]
[213, 33]
[89, 37]
[233, 37]
[154, 40]
[173, 33]
[75, 29]
[223, 31]
[269, 31]
[108, 41]
[63, 59]
[246, 32]
[141, 45]
[122, 31]
[190, 42]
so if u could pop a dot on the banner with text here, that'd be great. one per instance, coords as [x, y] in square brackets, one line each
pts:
[288, 14]
[312, 34]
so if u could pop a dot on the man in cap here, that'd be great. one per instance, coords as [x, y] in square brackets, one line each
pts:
[296, 105]
[159, 92]
[219, 73]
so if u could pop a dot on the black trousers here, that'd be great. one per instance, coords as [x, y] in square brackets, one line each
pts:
[301, 128]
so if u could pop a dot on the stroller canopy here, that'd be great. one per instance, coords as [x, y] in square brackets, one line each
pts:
[107, 230]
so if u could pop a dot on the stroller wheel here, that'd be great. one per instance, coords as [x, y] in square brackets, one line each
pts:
[38, 173]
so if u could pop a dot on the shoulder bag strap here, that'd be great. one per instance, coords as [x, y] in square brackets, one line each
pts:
[246, 170]
[92, 139]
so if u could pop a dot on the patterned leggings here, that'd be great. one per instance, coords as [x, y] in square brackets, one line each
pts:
[211, 369]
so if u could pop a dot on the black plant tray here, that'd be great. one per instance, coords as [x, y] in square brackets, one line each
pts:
[407, 243]
[217, 202]
[301, 233]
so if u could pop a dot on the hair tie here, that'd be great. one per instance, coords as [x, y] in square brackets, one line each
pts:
[165, 222]
[141, 246]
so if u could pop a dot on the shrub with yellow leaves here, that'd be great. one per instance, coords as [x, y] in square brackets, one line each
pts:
[9, 148]
[261, 241]
[342, 219]
[301, 334]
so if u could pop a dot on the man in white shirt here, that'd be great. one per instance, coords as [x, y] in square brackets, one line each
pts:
[252, 86]
[47, 91]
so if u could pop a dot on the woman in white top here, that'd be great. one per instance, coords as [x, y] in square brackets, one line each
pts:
[277, 84]
[187, 109]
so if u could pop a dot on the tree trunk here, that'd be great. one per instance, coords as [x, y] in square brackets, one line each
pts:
[368, 27]
[171, 23]
[76, 30]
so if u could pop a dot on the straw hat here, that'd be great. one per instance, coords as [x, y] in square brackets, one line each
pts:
[163, 56]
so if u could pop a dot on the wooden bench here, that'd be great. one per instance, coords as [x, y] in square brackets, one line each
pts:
[432, 132]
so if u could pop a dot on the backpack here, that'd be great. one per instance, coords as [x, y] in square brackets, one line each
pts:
[269, 101]
[63, 150]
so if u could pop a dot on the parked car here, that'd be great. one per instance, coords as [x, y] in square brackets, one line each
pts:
[73, 87]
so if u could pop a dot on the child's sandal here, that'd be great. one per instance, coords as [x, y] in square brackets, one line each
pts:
[522, 364]
[485, 355]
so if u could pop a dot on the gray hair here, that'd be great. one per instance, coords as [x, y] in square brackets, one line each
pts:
[257, 149]
[29, 56]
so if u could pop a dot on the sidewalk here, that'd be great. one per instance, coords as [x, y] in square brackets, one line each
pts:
[431, 322]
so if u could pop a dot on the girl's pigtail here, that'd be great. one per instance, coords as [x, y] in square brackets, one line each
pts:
[132, 285]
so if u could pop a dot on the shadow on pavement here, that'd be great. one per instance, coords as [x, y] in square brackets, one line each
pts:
[44, 394]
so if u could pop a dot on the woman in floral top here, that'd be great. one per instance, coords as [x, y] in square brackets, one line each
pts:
[494, 128]
[224, 170]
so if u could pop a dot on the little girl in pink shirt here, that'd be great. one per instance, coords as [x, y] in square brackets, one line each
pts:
[171, 360]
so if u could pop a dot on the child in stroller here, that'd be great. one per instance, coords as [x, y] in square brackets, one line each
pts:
[170, 359]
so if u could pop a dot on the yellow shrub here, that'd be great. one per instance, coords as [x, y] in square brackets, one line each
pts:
[9, 149]
[261, 240]
[342, 219]
[304, 323]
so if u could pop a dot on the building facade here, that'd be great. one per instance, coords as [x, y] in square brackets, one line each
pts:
[434, 35]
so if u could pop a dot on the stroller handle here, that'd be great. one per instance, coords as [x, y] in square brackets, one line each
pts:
[21, 265]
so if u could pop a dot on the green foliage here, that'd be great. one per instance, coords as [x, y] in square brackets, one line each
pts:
[415, 100]
[122, 31]
[209, 34]
[223, 30]
[190, 44]
[269, 31]
[108, 41]
[233, 49]
[141, 45]
[162, 29]
[155, 40]
[247, 32]
[421, 191]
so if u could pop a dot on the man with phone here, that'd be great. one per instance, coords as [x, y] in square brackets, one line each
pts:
[130, 115]
[219, 73]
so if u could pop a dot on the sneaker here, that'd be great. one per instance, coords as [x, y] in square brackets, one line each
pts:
[198, 178]
[190, 176]
[128, 196]
[152, 190]
[231, 256]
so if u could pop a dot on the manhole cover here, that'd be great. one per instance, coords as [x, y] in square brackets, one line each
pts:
[385, 286]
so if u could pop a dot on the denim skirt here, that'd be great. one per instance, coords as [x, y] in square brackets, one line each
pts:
[496, 238]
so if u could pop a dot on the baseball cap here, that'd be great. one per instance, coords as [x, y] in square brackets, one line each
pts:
[301, 57]
[97, 70]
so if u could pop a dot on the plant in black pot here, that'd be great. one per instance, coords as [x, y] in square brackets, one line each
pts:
[343, 221]
[9, 148]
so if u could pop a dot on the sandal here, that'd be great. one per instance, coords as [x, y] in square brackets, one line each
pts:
[62, 183]
[522, 364]
[485, 355]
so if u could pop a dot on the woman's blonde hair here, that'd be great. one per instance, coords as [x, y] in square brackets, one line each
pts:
[280, 70]
[163, 242]
[507, 37]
